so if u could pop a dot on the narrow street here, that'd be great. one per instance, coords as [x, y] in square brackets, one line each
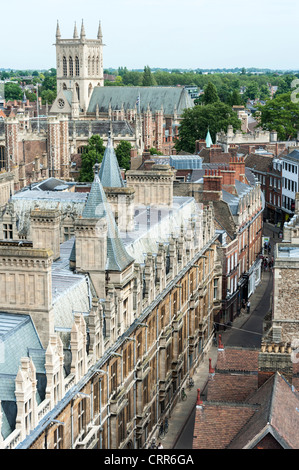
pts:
[246, 332]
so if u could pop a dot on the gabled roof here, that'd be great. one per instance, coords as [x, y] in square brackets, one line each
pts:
[278, 415]
[170, 98]
[97, 207]
[243, 415]
[109, 173]
[258, 162]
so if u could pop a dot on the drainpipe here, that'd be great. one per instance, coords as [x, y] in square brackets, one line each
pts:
[134, 389]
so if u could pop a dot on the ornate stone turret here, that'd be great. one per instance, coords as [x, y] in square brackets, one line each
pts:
[118, 195]
[99, 247]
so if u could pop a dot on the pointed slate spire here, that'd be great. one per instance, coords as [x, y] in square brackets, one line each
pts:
[110, 174]
[97, 207]
[209, 141]
[75, 35]
[82, 34]
[100, 35]
[58, 34]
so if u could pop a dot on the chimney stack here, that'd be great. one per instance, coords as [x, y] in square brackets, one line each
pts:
[212, 185]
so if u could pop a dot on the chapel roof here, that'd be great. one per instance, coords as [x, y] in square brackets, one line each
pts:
[171, 99]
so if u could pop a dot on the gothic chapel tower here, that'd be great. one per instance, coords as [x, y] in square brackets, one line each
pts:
[79, 64]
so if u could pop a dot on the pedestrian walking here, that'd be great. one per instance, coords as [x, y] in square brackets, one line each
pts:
[248, 306]
[160, 446]
[265, 264]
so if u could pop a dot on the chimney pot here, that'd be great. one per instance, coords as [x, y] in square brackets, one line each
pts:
[199, 402]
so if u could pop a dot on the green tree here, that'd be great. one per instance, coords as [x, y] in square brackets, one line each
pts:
[132, 79]
[118, 82]
[210, 94]
[154, 151]
[148, 78]
[123, 154]
[195, 122]
[94, 151]
[280, 114]
[49, 83]
[252, 91]
[30, 96]
[122, 71]
[236, 99]
[12, 91]
[284, 84]
[48, 96]
[264, 92]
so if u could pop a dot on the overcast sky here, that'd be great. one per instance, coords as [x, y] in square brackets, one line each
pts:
[186, 34]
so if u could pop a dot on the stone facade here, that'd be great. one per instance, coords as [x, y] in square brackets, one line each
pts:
[79, 63]
[117, 357]
[279, 349]
[152, 187]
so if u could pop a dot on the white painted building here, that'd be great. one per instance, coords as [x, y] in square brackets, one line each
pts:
[290, 180]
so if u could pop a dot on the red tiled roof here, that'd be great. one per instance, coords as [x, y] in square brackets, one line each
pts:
[217, 424]
[237, 360]
[239, 415]
[231, 388]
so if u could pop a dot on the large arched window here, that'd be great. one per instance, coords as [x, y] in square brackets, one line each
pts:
[71, 68]
[77, 66]
[92, 67]
[64, 65]
[98, 68]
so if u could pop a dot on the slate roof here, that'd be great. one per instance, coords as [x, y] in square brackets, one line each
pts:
[97, 207]
[18, 338]
[171, 98]
[51, 184]
[224, 219]
[17, 334]
[232, 201]
[109, 173]
[294, 155]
